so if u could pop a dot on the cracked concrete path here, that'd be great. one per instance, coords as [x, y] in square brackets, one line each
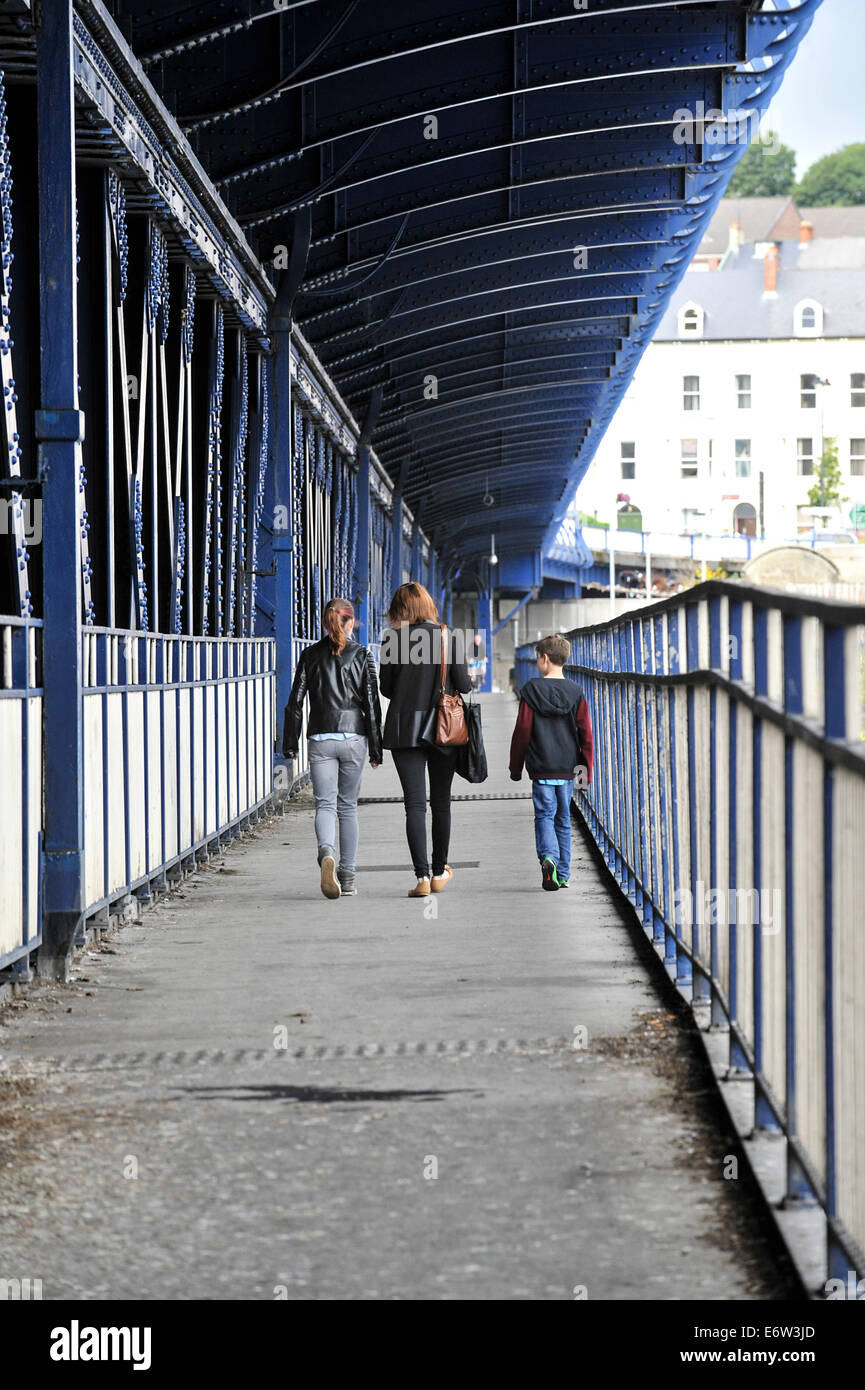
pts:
[256, 1093]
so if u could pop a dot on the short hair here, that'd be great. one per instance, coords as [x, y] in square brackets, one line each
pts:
[412, 603]
[556, 647]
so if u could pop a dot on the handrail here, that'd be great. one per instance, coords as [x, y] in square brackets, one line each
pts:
[729, 804]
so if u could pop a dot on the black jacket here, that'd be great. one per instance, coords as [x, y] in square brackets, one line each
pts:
[553, 731]
[343, 696]
[410, 673]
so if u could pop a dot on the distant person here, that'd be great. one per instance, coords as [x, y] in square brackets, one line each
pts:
[338, 675]
[553, 737]
[410, 678]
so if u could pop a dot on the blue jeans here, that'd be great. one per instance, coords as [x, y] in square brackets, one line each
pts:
[553, 824]
[336, 767]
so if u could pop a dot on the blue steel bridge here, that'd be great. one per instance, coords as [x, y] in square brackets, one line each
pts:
[312, 297]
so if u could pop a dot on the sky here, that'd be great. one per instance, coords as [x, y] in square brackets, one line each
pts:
[820, 105]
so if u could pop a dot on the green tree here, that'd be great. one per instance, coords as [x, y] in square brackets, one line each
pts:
[766, 170]
[836, 180]
[826, 492]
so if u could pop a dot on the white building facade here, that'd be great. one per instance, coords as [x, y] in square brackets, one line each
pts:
[753, 367]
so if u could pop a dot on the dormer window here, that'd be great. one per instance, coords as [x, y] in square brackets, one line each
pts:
[691, 318]
[808, 319]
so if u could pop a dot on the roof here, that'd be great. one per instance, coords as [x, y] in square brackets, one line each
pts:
[759, 218]
[836, 222]
[735, 307]
[420, 184]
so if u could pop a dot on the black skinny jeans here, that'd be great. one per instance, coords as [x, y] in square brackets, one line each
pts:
[411, 766]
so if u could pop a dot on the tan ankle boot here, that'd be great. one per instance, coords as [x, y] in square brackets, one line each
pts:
[421, 889]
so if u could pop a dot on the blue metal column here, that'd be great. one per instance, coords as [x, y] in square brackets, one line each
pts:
[59, 431]
[283, 457]
[485, 626]
[431, 579]
[363, 516]
[396, 548]
[283, 539]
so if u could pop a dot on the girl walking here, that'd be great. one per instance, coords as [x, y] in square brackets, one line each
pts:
[344, 724]
[410, 678]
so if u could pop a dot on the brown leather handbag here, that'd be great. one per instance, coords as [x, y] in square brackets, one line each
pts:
[451, 728]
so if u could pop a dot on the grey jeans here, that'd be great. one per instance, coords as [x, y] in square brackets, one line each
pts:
[336, 767]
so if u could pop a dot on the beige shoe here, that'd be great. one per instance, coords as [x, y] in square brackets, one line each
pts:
[329, 881]
[420, 890]
[440, 881]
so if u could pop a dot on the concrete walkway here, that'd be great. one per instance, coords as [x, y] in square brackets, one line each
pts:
[257, 1093]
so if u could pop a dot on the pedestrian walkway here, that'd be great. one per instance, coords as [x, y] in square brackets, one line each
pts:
[257, 1093]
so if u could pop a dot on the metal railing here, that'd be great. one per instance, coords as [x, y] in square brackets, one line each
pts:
[729, 803]
[178, 751]
[21, 786]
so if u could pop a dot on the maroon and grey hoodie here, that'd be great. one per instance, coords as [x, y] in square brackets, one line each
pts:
[553, 734]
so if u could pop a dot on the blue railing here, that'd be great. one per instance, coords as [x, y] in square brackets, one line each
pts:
[729, 803]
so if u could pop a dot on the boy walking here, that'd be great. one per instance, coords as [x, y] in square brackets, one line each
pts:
[553, 737]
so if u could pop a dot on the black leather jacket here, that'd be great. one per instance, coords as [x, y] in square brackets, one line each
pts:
[343, 696]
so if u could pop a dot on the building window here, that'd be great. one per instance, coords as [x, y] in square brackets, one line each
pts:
[857, 458]
[808, 391]
[743, 458]
[692, 393]
[689, 458]
[743, 392]
[808, 319]
[806, 457]
[629, 461]
[691, 319]
[857, 390]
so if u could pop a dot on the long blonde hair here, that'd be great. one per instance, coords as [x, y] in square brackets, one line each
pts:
[336, 614]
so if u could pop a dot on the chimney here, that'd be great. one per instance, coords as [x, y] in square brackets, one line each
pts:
[806, 232]
[770, 270]
[736, 237]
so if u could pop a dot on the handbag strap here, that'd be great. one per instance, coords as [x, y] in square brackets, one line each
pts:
[443, 627]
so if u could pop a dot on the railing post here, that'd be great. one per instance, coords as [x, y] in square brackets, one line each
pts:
[799, 1188]
[764, 1115]
[59, 431]
[835, 655]
[738, 1062]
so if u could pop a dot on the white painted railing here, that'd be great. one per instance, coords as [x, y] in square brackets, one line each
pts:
[20, 787]
[178, 750]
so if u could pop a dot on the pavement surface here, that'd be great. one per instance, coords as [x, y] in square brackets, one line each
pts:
[255, 1093]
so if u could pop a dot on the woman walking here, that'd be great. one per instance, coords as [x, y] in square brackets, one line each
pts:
[411, 680]
[344, 724]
